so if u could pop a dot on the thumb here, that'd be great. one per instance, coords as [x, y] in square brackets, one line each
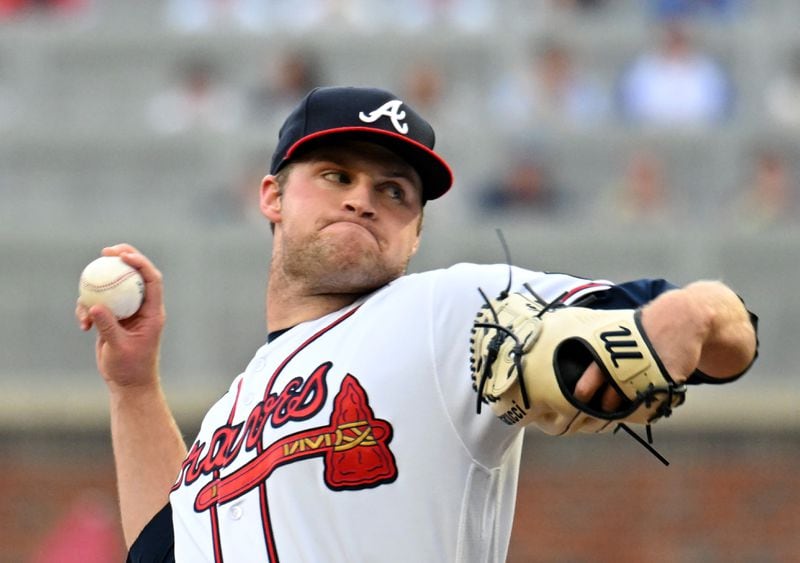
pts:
[107, 325]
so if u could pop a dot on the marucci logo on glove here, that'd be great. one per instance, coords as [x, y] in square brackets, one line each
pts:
[617, 348]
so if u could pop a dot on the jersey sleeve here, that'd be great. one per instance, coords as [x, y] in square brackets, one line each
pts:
[156, 542]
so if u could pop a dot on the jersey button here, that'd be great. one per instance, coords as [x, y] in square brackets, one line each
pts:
[236, 512]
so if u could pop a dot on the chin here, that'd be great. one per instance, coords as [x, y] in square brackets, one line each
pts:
[342, 264]
[359, 272]
[361, 275]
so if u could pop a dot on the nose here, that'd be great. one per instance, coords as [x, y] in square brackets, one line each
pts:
[359, 199]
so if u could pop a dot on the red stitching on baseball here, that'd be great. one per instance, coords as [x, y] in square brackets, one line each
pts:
[111, 284]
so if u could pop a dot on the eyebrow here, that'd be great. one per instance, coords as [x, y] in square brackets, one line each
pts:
[400, 174]
[390, 172]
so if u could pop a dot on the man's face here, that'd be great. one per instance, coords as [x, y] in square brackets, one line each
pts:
[347, 218]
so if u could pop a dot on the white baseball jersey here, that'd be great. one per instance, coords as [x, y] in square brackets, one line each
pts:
[355, 437]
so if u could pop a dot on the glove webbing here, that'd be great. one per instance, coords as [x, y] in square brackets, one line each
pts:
[502, 333]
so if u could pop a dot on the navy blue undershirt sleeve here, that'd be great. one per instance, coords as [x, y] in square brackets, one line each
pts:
[628, 295]
[156, 543]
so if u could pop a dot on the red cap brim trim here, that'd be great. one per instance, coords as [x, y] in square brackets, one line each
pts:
[372, 131]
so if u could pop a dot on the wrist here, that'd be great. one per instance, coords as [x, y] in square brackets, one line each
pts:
[730, 345]
[128, 391]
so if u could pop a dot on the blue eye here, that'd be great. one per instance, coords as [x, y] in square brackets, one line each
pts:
[395, 192]
[337, 177]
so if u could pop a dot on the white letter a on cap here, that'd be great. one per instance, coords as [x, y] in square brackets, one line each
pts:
[392, 111]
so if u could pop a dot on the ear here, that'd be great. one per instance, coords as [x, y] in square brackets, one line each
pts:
[270, 199]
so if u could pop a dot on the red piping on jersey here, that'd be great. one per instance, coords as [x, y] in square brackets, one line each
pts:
[269, 536]
[235, 401]
[574, 291]
[300, 348]
[213, 514]
[217, 541]
[262, 488]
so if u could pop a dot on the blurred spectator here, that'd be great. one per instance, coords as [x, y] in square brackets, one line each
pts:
[782, 96]
[205, 15]
[549, 90]
[258, 15]
[769, 194]
[15, 9]
[518, 15]
[427, 88]
[463, 15]
[642, 193]
[579, 6]
[675, 84]
[715, 10]
[197, 100]
[423, 87]
[233, 202]
[420, 15]
[526, 184]
[304, 15]
[285, 80]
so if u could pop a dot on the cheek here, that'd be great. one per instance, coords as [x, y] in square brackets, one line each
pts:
[300, 209]
[409, 237]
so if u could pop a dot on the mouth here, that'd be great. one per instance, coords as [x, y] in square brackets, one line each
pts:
[346, 223]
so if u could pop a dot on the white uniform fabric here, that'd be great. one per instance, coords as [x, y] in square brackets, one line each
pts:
[354, 437]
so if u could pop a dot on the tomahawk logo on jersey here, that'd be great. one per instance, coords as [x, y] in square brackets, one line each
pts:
[353, 445]
[321, 427]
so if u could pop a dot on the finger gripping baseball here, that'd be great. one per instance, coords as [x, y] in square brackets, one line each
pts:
[527, 359]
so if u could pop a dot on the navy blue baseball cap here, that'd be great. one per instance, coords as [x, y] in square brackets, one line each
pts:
[328, 115]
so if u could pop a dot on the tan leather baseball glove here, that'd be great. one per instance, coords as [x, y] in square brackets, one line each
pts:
[527, 357]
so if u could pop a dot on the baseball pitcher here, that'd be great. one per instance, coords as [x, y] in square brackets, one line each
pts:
[383, 418]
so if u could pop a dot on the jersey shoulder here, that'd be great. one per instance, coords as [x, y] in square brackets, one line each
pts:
[469, 282]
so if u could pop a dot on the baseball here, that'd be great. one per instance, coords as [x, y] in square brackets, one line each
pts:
[113, 283]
